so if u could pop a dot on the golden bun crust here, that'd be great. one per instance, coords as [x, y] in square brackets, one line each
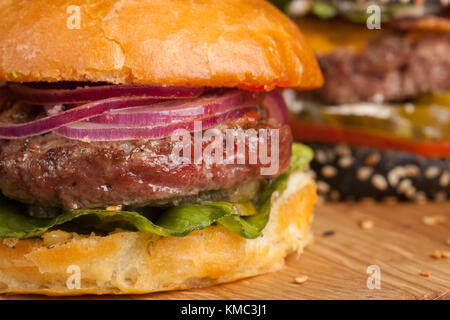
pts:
[134, 262]
[234, 43]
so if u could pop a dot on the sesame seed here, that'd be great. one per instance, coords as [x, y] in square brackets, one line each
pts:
[436, 254]
[429, 221]
[412, 170]
[342, 150]
[379, 182]
[444, 181]
[432, 220]
[404, 185]
[320, 157]
[364, 173]
[394, 177]
[366, 224]
[400, 171]
[345, 161]
[448, 242]
[432, 172]
[329, 171]
[425, 273]
[372, 159]
[445, 254]
[410, 193]
[301, 279]
[323, 187]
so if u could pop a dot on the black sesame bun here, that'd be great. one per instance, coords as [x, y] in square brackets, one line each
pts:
[354, 173]
[380, 125]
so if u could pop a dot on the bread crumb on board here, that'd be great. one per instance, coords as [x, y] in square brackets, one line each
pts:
[425, 273]
[436, 254]
[301, 279]
[366, 224]
[432, 220]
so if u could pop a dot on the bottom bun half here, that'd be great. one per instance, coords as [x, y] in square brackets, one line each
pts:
[134, 262]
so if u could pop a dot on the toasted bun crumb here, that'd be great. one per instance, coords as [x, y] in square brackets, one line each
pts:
[134, 262]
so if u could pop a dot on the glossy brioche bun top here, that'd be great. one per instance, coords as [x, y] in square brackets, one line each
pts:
[231, 43]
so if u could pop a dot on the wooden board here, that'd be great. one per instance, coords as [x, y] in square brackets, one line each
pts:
[399, 243]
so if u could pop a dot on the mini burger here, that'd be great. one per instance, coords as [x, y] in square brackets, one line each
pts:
[380, 125]
[144, 145]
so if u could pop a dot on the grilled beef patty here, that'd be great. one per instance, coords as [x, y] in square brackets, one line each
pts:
[52, 171]
[390, 68]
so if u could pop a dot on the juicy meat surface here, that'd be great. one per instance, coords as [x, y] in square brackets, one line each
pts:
[390, 68]
[52, 171]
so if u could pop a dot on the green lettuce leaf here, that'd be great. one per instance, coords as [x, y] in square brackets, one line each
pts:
[246, 219]
[324, 10]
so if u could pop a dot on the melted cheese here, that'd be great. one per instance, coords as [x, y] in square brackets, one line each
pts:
[325, 36]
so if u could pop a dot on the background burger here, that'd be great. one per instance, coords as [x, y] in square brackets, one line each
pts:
[88, 114]
[380, 125]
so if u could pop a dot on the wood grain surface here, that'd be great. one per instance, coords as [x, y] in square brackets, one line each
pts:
[400, 243]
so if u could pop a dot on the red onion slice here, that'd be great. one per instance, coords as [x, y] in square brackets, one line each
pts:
[86, 111]
[169, 111]
[87, 94]
[275, 106]
[106, 132]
